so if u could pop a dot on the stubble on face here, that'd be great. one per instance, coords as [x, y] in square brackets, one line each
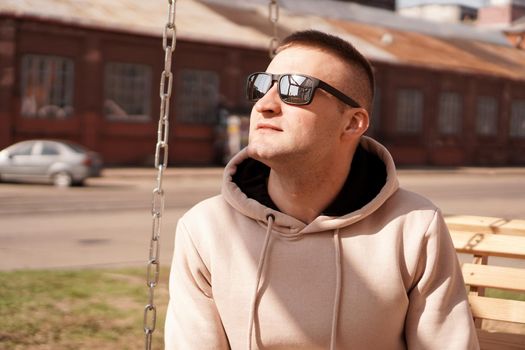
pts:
[284, 135]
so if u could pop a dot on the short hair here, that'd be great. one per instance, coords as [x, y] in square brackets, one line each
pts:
[342, 49]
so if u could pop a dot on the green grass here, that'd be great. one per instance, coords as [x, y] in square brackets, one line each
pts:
[80, 309]
[86, 309]
[502, 294]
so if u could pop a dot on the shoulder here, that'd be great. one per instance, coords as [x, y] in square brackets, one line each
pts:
[208, 210]
[404, 203]
[411, 200]
[215, 229]
[203, 223]
[413, 214]
[418, 226]
[206, 205]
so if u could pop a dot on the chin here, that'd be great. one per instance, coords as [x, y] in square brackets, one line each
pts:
[255, 152]
[262, 153]
[269, 156]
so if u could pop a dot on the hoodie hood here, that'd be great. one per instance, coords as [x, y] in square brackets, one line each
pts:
[291, 227]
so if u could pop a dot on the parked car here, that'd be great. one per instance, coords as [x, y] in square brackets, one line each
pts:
[62, 163]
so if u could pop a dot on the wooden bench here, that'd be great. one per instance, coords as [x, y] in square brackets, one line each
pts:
[499, 318]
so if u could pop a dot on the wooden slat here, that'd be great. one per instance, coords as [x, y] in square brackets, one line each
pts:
[508, 278]
[484, 237]
[489, 244]
[497, 309]
[500, 341]
[484, 224]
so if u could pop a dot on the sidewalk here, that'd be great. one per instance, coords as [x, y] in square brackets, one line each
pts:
[135, 172]
[462, 170]
[216, 172]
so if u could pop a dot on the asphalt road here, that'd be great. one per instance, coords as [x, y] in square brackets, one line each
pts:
[108, 222]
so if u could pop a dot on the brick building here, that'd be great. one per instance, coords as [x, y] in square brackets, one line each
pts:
[501, 13]
[448, 12]
[90, 74]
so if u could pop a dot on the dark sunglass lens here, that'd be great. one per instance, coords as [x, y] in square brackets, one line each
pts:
[296, 89]
[258, 85]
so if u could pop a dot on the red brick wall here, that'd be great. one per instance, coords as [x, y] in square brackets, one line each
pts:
[134, 143]
[7, 78]
[429, 146]
[118, 142]
[500, 14]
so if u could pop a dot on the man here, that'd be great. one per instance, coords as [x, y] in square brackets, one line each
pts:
[311, 244]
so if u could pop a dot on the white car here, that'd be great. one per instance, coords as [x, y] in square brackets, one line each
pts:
[62, 163]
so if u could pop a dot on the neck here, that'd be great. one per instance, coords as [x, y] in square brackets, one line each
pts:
[303, 190]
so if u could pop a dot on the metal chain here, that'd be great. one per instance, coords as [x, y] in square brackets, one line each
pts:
[273, 16]
[169, 40]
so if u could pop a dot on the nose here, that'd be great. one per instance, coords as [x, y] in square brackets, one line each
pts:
[270, 104]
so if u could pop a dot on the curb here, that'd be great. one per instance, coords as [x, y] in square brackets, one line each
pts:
[217, 172]
[463, 170]
[169, 172]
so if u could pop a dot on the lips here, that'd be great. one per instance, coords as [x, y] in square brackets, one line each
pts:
[266, 126]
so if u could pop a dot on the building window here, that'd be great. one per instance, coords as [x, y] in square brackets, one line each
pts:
[409, 111]
[486, 120]
[517, 119]
[47, 86]
[450, 109]
[127, 92]
[197, 96]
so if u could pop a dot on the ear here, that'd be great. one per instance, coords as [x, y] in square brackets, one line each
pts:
[356, 124]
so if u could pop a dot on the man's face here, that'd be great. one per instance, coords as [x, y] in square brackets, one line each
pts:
[282, 133]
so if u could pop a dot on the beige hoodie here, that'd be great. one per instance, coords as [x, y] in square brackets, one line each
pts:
[383, 277]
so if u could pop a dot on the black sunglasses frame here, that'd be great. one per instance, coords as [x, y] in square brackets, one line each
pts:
[316, 83]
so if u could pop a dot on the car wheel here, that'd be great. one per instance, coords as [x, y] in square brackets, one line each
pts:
[62, 179]
[79, 183]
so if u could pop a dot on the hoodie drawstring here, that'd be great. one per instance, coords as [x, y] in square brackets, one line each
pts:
[337, 297]
[270, 219]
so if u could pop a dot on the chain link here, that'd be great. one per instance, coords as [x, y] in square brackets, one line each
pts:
[169, 40]
[273, 16]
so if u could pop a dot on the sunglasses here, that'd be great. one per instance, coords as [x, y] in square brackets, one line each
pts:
[294, 89]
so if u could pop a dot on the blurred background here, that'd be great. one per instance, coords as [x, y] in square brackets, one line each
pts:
[450, 74]
[79, 87]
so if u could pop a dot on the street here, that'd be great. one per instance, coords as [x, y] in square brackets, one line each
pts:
[108, 222]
